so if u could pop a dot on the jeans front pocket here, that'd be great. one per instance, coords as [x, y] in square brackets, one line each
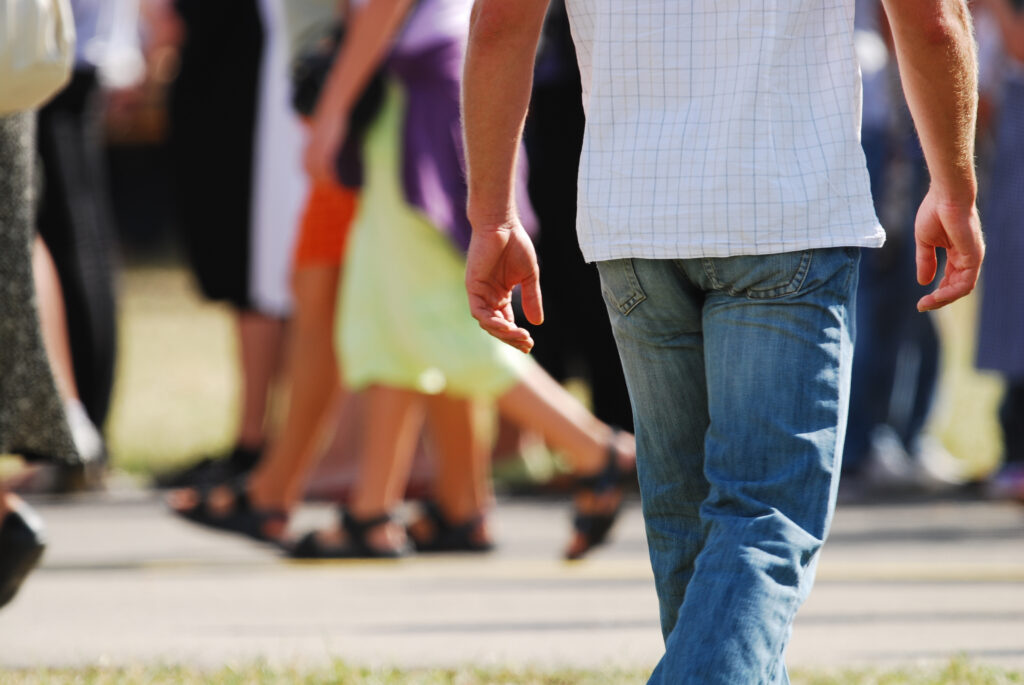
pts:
[759, 277]
[620, 286]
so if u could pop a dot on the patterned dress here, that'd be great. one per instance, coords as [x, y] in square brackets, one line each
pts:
[31, 412]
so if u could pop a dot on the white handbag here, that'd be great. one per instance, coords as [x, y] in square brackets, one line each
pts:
[37, 48]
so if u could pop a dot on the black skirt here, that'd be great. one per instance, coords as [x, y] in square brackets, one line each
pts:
[213, 117]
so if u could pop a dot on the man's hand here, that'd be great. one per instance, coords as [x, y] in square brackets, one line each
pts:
[958, 230]
[499, 259]
[938, 63]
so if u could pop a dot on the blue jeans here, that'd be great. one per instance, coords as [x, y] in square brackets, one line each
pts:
[739, 373]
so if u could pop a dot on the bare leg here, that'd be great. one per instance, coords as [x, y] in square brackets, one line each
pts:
[463, 487]
[261, 340]
[277, 483]
[540, 403]
[395, 417]
[261, 350]
[53, 320]
[56, 339]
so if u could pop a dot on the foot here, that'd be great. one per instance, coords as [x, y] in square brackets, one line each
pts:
[371, 537]
[233, 507]
[435, 532]
[209, 471]
[599, 496]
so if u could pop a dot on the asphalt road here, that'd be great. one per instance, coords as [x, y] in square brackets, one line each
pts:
[123, 582]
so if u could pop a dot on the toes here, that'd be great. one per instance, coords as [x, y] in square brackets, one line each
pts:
[182, 500]
[221, 501]
[330, 537]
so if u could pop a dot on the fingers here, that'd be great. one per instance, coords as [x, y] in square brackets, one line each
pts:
[508, 333]
[957, 229]
[499, 322]
[943, 295]
[927, 264]
[958, 280]
[533, 303]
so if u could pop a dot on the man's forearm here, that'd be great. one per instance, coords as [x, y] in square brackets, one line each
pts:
[938, 66]
[495, 95]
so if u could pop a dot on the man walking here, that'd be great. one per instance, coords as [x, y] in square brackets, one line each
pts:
[724, 196]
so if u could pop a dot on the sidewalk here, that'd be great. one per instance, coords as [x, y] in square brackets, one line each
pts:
[123, 582]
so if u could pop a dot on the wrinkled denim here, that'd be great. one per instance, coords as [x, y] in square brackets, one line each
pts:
[739, 373]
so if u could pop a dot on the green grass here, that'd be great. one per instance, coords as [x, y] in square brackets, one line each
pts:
[175, 393]
[959, 672]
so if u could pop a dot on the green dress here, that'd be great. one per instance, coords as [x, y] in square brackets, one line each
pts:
[404, 315]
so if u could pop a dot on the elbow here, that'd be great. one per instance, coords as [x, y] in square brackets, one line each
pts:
[949, 24]
[494, 21]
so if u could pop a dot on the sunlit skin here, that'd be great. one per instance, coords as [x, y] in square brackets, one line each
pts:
[958, 231]
[499, 259]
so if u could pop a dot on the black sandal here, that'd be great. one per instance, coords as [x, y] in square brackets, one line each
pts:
[355, 545]
[242, 517]
[594, 527]
[448, 536]
[21, 547]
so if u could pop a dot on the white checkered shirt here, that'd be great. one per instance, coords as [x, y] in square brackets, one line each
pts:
[720, 127]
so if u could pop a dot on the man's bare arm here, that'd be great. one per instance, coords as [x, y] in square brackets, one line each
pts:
[938, 66]
[496, 93]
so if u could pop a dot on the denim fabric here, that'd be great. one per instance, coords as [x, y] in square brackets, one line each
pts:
[739, 370]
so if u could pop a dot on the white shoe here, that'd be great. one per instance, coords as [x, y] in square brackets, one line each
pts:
[937, 466]
[888, 467]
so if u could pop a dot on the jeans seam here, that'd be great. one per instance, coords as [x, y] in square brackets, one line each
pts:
[709, 271]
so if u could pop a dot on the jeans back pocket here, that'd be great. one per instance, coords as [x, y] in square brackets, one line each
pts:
[620, 286]
[759, 277]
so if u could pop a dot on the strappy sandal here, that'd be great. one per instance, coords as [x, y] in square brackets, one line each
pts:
[447, 536]
[355, 546]
[594, 527]
[242, 517]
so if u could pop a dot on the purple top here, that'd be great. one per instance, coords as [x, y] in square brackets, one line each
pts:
[433, 158]
[434, 161]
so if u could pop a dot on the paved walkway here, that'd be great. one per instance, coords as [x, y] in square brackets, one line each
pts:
[125, 583]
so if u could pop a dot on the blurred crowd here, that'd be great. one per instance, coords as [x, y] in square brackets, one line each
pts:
[306, 157]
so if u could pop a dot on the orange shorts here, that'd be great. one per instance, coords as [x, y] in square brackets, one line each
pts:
[326, 221]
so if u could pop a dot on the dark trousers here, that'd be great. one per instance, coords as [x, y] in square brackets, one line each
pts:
[75, 221]
[576, 339]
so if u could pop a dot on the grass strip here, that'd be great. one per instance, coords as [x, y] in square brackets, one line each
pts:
[956, 672]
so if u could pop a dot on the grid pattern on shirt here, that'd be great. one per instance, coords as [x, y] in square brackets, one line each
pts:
[719, 127]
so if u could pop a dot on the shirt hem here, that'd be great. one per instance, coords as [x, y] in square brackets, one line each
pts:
[636, 250]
